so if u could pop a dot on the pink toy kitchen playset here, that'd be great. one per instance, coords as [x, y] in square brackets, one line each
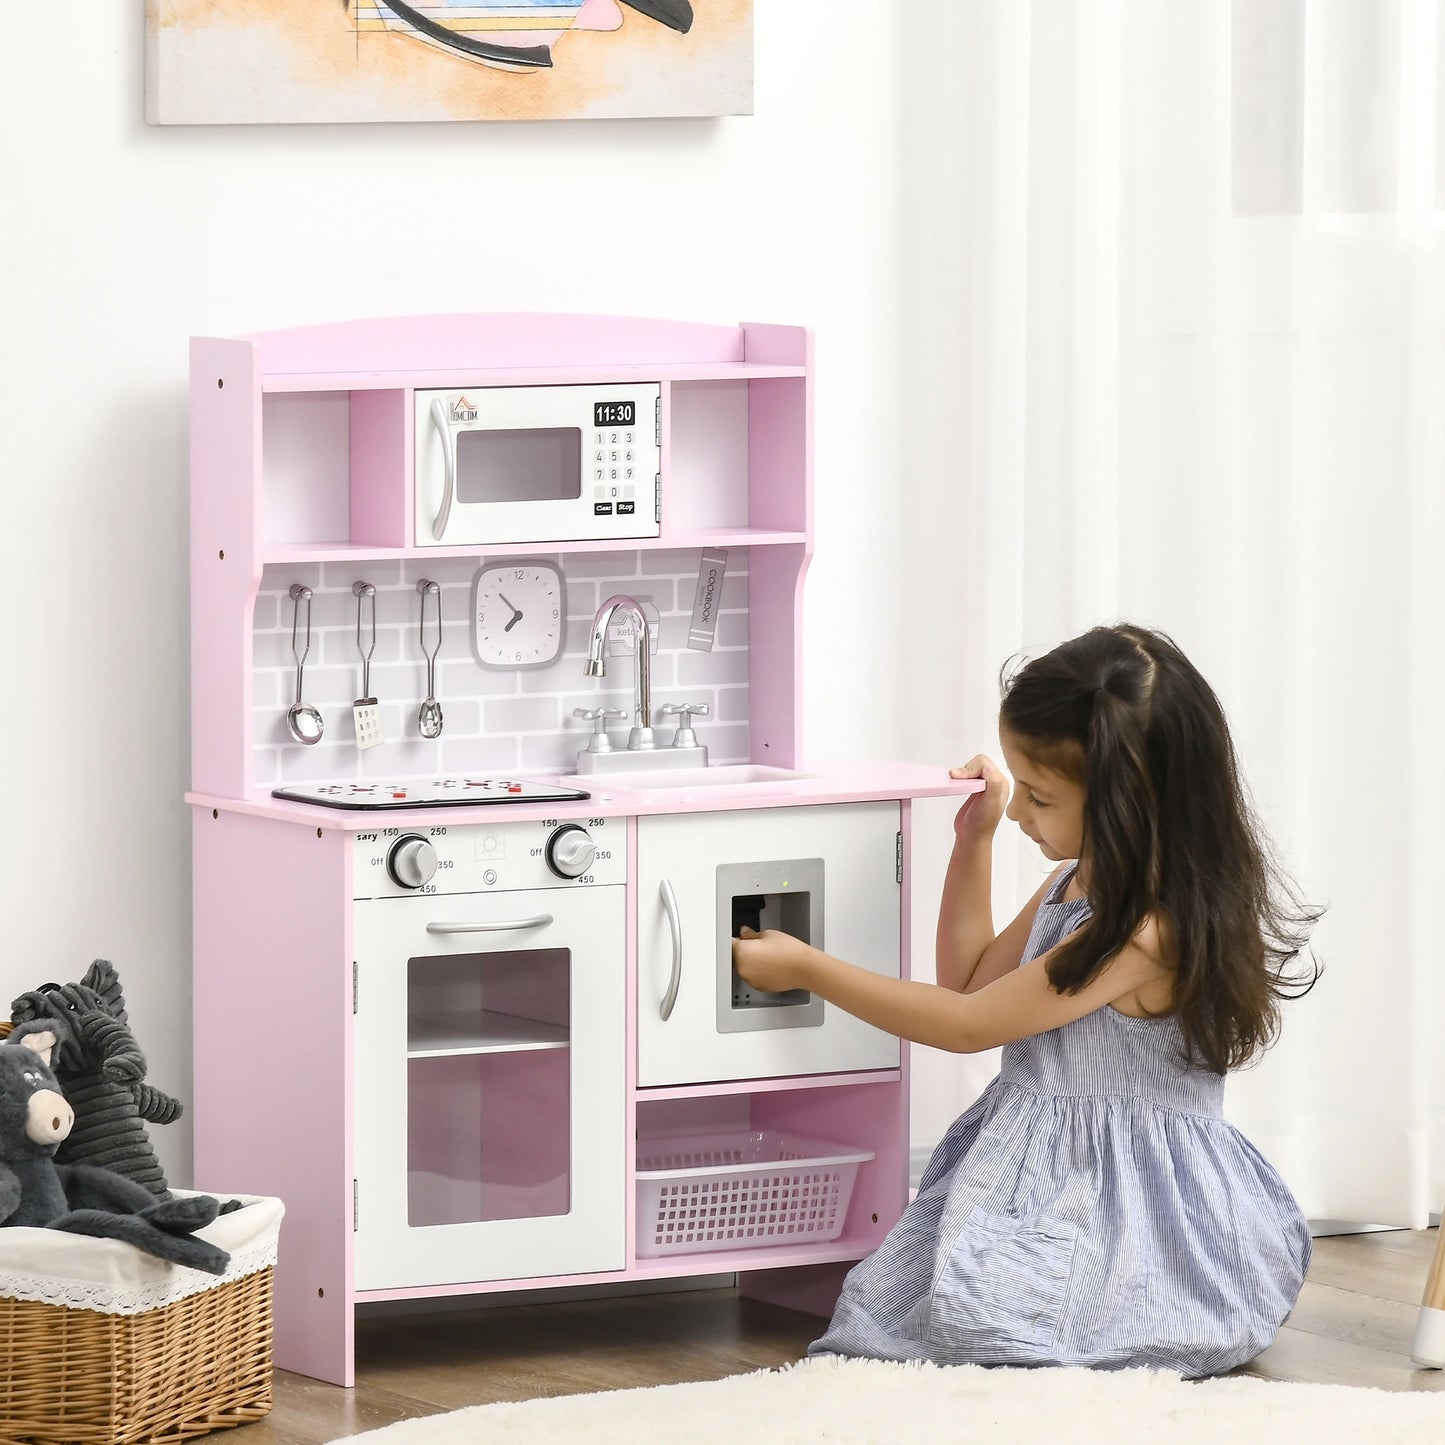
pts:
[496, 674]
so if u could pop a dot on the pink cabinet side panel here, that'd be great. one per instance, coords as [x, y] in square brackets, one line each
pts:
[225, 418]
[380, 468]
[780, 455]
[272, 1026]
[775, 589]
[769, 344]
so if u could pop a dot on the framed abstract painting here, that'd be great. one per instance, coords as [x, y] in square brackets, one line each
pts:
[221, 62]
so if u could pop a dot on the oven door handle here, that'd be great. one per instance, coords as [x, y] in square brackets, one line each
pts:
[540, 920]
[674, 923]
[442, 423]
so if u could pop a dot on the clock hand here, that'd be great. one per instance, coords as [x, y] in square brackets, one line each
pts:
[516, 615]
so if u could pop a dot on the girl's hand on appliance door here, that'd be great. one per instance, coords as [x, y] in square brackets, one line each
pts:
[980, 814]
[772, 961]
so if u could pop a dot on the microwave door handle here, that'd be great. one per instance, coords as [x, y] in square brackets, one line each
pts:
[540, 920]
[449, 456]
[674, 923]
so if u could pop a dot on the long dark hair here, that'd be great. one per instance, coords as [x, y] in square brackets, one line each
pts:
[1168, 828]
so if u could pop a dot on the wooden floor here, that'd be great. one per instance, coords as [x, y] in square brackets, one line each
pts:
[1353, 1326]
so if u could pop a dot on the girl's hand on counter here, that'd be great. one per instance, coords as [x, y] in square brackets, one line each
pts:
[980, 814]
[771, 961]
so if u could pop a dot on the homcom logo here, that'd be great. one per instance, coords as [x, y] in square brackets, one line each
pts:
[463, 410]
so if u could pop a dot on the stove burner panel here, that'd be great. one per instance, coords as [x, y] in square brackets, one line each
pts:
[440, 793]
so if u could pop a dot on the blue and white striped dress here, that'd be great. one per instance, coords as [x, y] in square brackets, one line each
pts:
[1093, 1207]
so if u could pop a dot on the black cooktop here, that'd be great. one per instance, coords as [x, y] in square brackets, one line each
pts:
[437, 793]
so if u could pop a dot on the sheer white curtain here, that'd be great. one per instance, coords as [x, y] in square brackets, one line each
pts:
[1177, 352]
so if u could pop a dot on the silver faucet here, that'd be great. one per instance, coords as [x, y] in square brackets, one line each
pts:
[640, 738]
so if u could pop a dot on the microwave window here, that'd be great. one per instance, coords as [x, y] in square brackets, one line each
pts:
[539, 464]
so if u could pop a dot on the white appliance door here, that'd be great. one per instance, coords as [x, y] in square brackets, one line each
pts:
[765, 859]
[489, 1086]
[534, 464]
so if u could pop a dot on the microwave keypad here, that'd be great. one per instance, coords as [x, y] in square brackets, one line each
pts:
[614, 479]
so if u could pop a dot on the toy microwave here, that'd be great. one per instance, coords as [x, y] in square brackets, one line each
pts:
[537, 464]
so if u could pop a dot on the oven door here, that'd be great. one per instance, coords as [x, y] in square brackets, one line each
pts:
[489, 1086]
[536, 464]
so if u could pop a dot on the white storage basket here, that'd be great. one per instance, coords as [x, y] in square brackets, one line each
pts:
[705, 1193]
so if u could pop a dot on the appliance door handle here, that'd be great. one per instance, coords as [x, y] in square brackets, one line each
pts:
[674, 923]
[442, 423]
[540, 920]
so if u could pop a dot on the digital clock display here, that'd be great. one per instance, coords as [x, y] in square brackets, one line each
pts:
[614, 413]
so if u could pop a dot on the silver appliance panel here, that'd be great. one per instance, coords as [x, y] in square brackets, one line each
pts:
[785, 894]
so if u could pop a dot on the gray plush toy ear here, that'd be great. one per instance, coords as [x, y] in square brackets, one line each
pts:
[102, 979]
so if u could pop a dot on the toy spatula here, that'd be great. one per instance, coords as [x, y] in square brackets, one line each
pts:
[365, 712]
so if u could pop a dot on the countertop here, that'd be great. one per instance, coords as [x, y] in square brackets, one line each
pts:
[836, 781]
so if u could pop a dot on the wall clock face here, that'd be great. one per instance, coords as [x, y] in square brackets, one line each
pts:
[519, 614]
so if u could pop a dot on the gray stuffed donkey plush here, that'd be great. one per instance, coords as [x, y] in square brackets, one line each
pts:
[102, 1073]
[79, 1198]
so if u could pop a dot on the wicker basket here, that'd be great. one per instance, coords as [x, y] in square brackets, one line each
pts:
[77, 1376]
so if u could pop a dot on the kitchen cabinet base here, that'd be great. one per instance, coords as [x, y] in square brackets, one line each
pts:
[811, 1290]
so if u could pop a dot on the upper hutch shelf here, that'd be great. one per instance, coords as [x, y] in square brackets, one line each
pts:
[524, 376]
[282, 553]
[528, 348]
[303, 446]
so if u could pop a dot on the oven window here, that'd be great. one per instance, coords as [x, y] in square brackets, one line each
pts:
[540, 464]
[489, 1086]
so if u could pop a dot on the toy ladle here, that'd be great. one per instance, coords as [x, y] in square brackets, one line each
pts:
[303, 721]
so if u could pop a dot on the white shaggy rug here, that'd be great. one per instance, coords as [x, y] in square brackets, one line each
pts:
[869, 1402]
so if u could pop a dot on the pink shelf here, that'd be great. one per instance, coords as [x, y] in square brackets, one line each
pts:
[779, 1257]
[791, 1085]
[292, 553]
[733, 537]
[530, 343]
[520, 376]
[851, 1247]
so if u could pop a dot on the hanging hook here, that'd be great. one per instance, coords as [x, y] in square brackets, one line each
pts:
[300, 594]
[427, 589]
[365, 592]
[429, 718]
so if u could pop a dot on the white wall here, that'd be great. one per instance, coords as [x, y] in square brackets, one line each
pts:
[121, 241]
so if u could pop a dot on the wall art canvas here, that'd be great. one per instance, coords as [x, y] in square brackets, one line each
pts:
[220, 62]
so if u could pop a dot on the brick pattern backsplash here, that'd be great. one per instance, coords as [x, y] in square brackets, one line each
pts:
[494, 722]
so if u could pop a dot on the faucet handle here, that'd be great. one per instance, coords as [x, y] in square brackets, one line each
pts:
[599, 741]
[684, 737]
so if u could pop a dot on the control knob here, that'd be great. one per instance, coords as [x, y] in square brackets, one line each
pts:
[570, 851]
[412, 861]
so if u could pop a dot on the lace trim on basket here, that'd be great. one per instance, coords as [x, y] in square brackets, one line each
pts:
[180, 1283]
